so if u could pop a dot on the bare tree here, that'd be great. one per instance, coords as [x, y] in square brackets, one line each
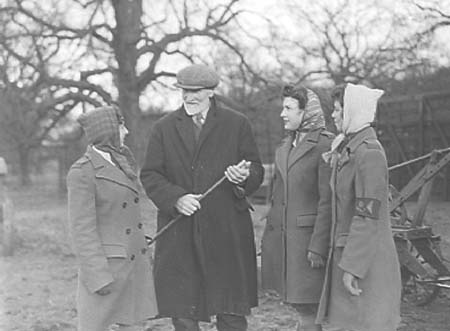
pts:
[34, 97]
[434, 15]
[131, 47]
[346, 41]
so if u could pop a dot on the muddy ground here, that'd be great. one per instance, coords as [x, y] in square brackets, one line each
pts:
[38, 282]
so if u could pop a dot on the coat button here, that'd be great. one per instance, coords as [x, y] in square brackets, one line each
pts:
[124, 205]
[144, 250]
[140, 225]
[132, 257]
[128, 231]
[136, 200]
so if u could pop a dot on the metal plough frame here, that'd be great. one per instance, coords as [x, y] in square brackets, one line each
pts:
[424, 272]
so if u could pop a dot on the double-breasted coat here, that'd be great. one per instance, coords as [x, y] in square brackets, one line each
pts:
[361, 242]
[205, 264]
[109, 242]
[299, 219]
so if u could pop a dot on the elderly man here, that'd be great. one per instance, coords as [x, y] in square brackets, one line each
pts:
[206, 264]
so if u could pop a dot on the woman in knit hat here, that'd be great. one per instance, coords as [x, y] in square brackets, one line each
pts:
[296, 237]
[362, 285]
[115, 281]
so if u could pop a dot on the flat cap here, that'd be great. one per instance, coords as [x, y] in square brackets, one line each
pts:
[197, 76]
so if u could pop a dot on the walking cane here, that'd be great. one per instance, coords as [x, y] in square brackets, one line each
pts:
[151, 240]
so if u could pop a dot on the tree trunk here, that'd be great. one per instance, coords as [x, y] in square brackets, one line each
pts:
[126, 35]
[24, 164]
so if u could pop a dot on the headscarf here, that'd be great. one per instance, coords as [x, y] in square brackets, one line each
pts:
[101, 127]
[360, 106]
[313, 117]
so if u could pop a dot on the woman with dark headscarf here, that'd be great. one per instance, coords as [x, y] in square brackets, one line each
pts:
[115, 282]
[362, 285]
[296, 237]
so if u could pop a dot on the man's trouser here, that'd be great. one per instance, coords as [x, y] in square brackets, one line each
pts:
[225, 322]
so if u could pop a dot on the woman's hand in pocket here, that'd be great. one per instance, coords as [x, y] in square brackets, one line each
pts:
[315, 260]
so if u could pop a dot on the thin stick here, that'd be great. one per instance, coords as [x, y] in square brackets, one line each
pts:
[151, 240]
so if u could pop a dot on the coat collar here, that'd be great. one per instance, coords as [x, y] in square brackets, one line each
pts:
[96, 159]
[285, 157]
[368, 133]
[105, 170]
[309, 141]
[281, 156]
[185, 128]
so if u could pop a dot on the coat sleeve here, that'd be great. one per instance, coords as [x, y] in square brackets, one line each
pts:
[320, 238]
[94, 269]
[157, 185]
[371, 182]
[248, 151]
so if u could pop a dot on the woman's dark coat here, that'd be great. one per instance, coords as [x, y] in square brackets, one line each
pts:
[205, 264]
[299, 219]
[361, 241]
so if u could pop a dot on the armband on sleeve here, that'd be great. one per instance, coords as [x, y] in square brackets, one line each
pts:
[367, 207]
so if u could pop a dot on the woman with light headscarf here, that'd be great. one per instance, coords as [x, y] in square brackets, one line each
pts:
[115, 281]
[296, 236]
[362, 284]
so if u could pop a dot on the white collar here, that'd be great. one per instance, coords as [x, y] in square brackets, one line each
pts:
[105, 155]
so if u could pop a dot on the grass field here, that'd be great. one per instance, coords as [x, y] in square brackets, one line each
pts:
[38, 282]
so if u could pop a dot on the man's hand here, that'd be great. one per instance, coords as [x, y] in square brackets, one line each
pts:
[105, 290]
[188, 204]
[351, 284]
[238, 174]
[315, 260]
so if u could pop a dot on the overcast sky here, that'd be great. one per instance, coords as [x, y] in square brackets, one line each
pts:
[280, 14]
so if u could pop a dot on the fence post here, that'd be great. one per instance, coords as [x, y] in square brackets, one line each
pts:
[6, 213]
[421, 126]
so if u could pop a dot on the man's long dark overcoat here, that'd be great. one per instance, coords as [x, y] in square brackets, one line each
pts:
[205, 264]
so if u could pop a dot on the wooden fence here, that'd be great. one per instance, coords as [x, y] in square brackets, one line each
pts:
[408, 127]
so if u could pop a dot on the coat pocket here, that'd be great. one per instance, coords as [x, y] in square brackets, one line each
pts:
[341, 240]
[115, 250]
[306, 220]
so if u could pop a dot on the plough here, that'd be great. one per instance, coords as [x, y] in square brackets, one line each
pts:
[423, 269]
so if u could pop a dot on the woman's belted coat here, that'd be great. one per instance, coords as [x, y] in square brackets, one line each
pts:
[108, 240]
[299, 219]
[361, 241]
